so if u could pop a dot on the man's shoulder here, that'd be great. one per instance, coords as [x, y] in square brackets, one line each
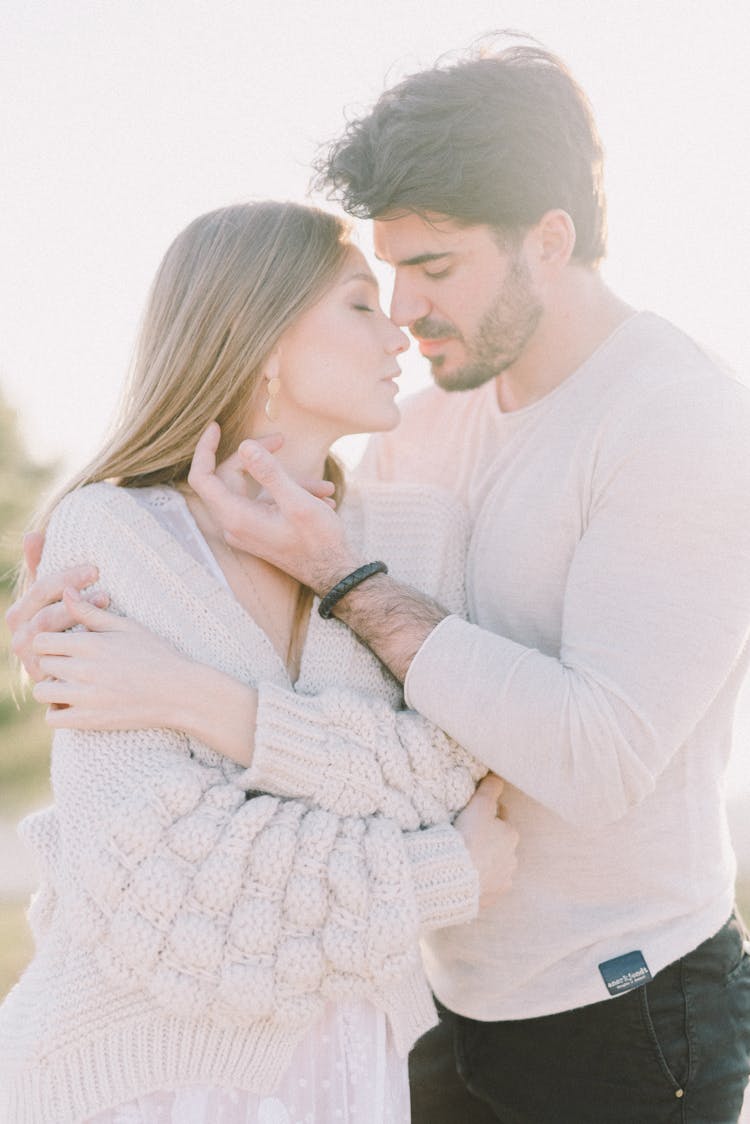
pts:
[655, 375]
[662, 355]
[673, 412]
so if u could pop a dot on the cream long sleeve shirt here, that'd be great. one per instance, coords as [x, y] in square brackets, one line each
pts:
[609, 594]
[189, 928]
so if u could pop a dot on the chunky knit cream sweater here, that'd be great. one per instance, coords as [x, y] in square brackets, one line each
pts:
[191, 927]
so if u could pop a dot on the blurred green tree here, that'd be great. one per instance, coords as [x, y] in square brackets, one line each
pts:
[24, 739]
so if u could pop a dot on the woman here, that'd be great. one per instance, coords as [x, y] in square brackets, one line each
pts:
[228, 931]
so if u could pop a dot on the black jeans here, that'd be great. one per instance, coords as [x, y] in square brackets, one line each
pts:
[675, 1050]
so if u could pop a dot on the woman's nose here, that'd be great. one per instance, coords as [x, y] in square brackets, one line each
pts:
[398, 341]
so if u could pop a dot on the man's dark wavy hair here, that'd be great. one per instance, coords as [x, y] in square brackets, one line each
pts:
[494, 139]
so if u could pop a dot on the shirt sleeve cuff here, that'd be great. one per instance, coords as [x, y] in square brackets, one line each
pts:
[419, 685]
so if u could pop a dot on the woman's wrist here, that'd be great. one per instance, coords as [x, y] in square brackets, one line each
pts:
[218, 710]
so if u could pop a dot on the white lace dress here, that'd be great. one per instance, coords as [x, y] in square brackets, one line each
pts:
[345, 1069]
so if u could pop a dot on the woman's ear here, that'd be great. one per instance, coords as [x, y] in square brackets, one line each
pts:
[272, 366]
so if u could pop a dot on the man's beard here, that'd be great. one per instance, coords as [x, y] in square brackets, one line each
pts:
[500, 338]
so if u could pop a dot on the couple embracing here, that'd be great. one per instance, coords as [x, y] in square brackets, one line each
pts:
[325, 749]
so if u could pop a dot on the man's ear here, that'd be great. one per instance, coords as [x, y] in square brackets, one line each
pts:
[554, 238]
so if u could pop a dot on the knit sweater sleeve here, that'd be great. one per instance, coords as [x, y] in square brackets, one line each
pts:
[349, 750]
[242, 905]
[214, 899]
[356, 755]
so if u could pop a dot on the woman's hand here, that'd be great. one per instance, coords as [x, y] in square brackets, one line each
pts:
[41, 607]
[116, 675]
[490, 840]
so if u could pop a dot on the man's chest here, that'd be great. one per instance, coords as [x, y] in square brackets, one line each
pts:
[530, 514]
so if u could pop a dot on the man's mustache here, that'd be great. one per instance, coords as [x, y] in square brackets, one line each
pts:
[427, 329]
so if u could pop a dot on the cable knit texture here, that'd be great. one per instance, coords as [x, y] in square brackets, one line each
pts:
[190, 927]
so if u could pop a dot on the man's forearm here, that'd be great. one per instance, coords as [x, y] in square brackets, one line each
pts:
[393, 620]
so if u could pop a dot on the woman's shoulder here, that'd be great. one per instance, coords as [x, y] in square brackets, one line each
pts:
[97, 497]
[82, 524]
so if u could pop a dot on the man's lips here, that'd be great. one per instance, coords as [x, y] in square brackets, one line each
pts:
[433, 347]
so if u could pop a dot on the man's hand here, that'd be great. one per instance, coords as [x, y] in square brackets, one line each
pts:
[294, 528]
[290, 525]
[42, 609]
[490, 841]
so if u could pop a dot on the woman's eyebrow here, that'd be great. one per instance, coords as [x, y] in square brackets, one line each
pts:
[362, 275]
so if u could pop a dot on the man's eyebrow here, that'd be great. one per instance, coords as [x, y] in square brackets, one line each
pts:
[420, 259]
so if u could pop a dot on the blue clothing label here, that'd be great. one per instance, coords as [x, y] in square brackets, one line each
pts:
[625, 972]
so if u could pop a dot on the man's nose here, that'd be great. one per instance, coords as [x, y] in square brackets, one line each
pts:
[407, 303]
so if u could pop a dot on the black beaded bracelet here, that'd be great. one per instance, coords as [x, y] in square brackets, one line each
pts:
[347, 584]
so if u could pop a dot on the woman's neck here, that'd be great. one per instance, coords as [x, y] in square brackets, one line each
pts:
[302, 457]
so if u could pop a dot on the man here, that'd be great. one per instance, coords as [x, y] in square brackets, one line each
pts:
[606, 463]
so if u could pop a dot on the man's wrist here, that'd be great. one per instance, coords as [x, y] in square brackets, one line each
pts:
[332, 571]
[393, 620]
[343, 587]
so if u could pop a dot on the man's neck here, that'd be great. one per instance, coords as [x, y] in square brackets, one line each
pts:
[582, 316]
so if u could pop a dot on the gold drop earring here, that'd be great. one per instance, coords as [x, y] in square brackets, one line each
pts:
[272, 406]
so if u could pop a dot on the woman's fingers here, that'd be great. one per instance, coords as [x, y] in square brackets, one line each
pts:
[56, 692]
[91, 616]
[61, 644]
[57, 667]
[55, 618]
[490, 789]
[33, 544]
[48, 591]
[73, 718]
[77, 611]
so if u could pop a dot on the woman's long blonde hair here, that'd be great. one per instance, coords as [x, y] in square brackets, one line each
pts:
[227, 288]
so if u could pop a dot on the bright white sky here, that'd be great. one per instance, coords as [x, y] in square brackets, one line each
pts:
[120, 120]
